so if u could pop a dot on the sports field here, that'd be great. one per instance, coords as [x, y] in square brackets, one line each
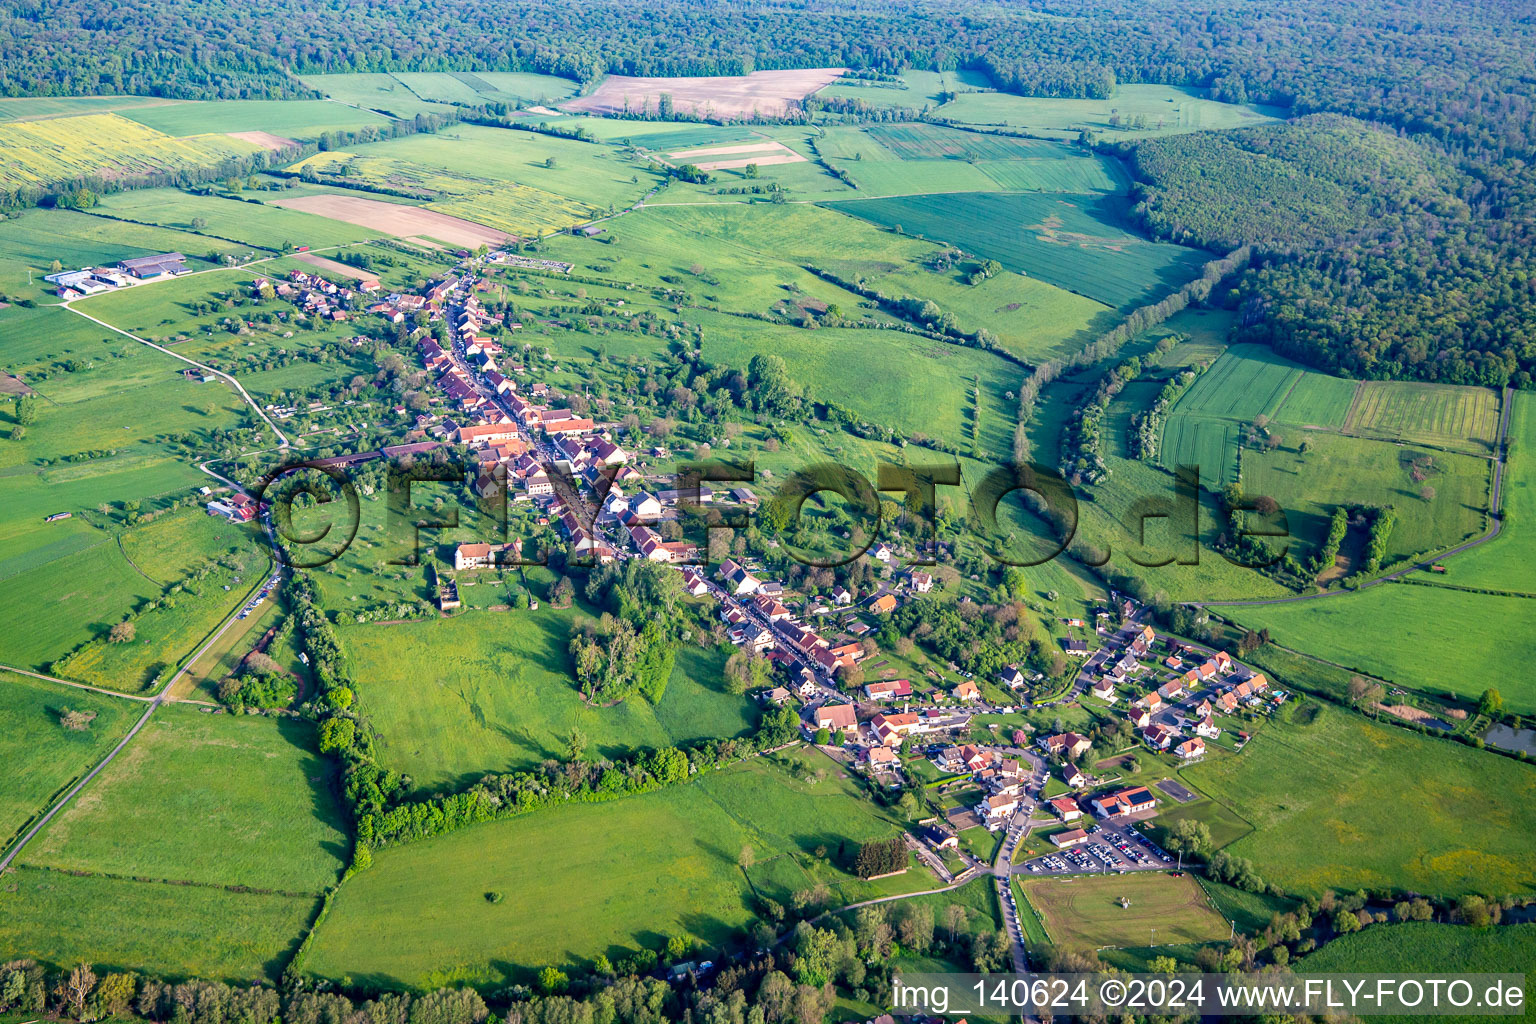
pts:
[1081, 243]
[1427, 637]
[1328, 797]
[41, 756]
[1442, 414]
[491, 691]
[170, 930]
[624, 874]
[1085, 913]
[206, 798]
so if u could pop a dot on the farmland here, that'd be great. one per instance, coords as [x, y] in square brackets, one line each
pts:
[1427, 637]
[889, 160]
[1439, 414]
[263, 224]
[1440, 497]
[771, 93]
[252, 803]
[915, 89]
[1084, 913]
[625, 874]
[1080, 243]
[176, 930]
[31, 240]
[41, 756]
[42, 152]
[516, 209]
[1327, 794]
[498, 696]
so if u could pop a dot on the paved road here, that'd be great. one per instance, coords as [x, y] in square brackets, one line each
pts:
[1495, 524]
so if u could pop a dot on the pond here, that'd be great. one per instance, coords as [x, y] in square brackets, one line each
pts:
[1505, 738]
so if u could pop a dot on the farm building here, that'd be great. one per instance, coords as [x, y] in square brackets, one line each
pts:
[148, 267]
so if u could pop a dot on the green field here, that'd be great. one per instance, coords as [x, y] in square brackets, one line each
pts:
[30, 240]
[406, 94]
[491, 691]
[886, 160]
[1506, 562]
[1439, 414]
[1338, 470]
[41, 756]
[299, 119]
[27, 108]
[210, 799]
[1425, 637]
[1084, 913]
[1425, 947]
[915, 90]
[1082, 243]
[471, 162]
[173, 931]
[594, 878]
[255, 223]
[1166, 110]
[1328, 799]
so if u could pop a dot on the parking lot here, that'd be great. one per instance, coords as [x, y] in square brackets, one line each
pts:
[1113, 849]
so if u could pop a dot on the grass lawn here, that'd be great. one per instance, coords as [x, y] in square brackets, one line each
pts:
[251, 803]
[1084, 912]
[174, 931]
[1425, 637]
[40, 755]
[1328, 798]
[593, 878]
[492, 691]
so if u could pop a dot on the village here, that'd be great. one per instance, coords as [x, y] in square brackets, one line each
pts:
[1005, 797]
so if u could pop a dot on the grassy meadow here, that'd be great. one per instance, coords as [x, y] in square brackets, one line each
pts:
[1505, 563]
[299, 119]
[1329, 791]
[42, 757]
[254, 222]
[251, 801]
[622, 874]
[492, 691]
[1428, 637]
[1163, 110]
[176, 931]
